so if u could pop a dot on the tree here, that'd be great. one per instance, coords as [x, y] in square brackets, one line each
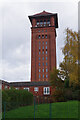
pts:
[55, 79]
[69, 66]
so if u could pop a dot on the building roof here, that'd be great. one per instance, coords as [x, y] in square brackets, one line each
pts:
[28, 84]
[45, 14]
[4, 82]
[25, 84]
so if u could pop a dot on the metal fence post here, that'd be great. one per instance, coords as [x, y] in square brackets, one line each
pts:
[4, 109]
[34, 108]
[50, 111]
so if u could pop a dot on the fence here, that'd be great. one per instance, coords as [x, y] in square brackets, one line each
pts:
[43, 108]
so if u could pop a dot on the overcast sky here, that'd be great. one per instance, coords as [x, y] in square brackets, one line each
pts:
[16, 34]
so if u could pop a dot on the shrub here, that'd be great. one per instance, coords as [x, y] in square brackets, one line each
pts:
[16, 98]
[68, 94]
[58, 95]
[76, 95]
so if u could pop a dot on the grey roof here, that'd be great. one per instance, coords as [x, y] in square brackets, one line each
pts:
[4, 82]
[25, 84]
[28, 84]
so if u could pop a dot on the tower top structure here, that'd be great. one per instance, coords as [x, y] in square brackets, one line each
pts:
[45, 14]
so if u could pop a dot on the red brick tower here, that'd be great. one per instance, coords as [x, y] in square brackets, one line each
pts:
[43, 45]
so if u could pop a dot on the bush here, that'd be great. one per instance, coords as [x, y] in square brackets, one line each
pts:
[16, 98]
[68, 94]
[58, 95]
[76, 95]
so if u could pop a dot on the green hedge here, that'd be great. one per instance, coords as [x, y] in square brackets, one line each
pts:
[12, 99]
[62, 95]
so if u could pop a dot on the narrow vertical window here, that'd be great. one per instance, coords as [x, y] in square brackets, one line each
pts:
[39, 52]
[43, 47]
[39, 58]
[46, 70]
[43, 75]
[42, 36]
[46, 52]
[37, 23]
[39, 36]
[39, 76]
[39, 47]
[46, 36]
[46, 76]
[43, 69]
[48, 22]
[43, 58]
[43, 42]
[46, 58]
[44, 22]
[39, 42]
[39, 70]
[41, 22]
[43, 52]
[46, 42]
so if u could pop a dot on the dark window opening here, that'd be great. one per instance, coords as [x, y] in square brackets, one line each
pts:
[42, 36]
[39, 36]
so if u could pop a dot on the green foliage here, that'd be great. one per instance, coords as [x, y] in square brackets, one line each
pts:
[55, 79]
[66, 83]
[68, 94]
[58, 95]
[69, 66]
[15, 98]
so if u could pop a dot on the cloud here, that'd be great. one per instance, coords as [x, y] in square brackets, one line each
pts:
[19, 73]
[16, 34]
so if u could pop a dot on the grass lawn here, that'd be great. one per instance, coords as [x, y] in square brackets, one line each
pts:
[59, 110]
